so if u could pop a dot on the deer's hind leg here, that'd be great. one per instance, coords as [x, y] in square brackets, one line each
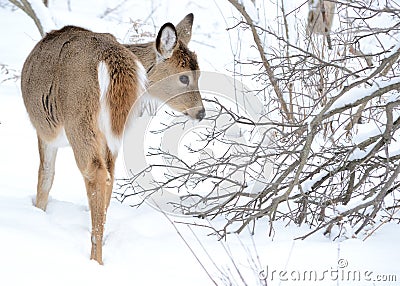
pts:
[110, 164]
[97, 183]
[46, 171]
[89, 156]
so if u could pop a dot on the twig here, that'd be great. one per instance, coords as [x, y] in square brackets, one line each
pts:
[25, 6]
[265, 62]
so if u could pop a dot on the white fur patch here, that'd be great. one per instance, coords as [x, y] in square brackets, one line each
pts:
[145, 104]
[104, 79]
[48, 165]
[113, 142]
[60, 141]
[168, 39]
[142, 77]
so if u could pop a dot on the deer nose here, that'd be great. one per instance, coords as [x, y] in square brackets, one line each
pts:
[200, 115]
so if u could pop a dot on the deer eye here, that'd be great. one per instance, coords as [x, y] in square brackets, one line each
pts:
[184, 79]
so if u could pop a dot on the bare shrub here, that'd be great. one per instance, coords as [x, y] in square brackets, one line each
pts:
[334, 121]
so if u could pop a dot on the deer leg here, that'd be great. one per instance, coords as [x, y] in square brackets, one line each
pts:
[99, 201]
[97, 183]
[46, 173]
[110, 163]
[89, 156]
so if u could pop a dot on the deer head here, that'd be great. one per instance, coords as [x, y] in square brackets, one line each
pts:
[172, 69]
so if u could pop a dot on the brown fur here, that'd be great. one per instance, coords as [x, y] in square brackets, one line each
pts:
[182, 61]
[61, 91]
[185, 58]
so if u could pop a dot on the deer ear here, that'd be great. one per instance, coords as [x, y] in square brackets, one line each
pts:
[166, 40]
[184, 28]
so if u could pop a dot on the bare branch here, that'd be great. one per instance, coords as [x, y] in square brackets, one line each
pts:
[265, 62]
[25, 6]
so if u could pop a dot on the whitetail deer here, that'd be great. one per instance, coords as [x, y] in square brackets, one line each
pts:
[78, 88]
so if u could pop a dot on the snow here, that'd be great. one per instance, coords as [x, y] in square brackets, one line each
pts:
[251, 9]
[358, 93]
[43, 15]
[358, 154]
[141, 247]
[306, 186]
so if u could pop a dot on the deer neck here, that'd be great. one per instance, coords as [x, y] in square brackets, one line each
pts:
[147, 104]
[145, 53]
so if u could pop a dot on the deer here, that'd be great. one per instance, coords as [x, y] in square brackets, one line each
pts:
[79, 87]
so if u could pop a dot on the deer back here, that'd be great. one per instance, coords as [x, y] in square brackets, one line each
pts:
[74, 77]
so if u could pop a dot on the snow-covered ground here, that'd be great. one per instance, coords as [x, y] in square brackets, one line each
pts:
[142, 247]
